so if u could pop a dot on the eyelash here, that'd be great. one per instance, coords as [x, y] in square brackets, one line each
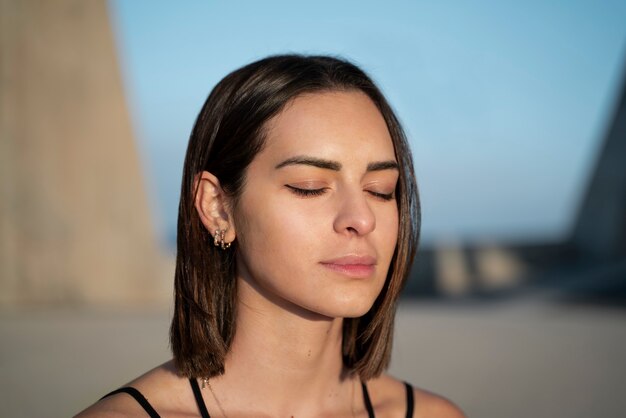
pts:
[319, 192]
[383, 196]
[306, 192]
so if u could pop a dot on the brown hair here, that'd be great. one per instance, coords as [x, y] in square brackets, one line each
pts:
[228, 133]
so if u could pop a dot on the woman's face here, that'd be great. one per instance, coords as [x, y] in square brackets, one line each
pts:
[317, 221]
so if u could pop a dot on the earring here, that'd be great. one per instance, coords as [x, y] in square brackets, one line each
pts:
[218, 239]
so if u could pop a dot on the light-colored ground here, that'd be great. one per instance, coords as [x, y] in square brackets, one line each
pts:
[526, 359]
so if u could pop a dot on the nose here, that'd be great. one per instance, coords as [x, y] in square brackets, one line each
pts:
[355, 216]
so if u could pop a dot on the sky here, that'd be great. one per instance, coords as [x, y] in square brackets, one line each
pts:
[505, 103]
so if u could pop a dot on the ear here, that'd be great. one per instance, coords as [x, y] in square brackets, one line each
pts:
[212, 205]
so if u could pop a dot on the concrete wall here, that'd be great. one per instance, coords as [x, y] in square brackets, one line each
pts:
[75, 227]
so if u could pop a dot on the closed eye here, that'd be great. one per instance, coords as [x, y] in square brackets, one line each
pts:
[306, 192]
[382, 196]
[318, 192]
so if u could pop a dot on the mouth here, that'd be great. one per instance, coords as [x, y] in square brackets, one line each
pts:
[357, 266]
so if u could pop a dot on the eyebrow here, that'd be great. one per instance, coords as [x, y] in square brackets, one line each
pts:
[335, 165]
[383, 165]
[315, 162]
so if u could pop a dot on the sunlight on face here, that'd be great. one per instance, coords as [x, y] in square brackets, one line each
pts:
[317, 221]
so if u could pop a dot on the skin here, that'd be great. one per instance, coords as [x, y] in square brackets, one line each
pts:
[293, 291]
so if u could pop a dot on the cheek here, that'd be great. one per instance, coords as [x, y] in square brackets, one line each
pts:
[387, 225]
[273, 231]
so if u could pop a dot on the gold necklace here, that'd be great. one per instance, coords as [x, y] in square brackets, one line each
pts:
[205, 381]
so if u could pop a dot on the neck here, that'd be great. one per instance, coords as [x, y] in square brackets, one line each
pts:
[282, 357]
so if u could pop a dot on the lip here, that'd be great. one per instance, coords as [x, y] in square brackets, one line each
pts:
[357, 266]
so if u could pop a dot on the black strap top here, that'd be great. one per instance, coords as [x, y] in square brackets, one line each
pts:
[204, 413]
[138, 397]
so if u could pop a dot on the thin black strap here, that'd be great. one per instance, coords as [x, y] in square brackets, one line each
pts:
[204, 413]
[368, 402]
[138, 397]
[409, 400]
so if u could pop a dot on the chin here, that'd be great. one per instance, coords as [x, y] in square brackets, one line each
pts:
[343, 308]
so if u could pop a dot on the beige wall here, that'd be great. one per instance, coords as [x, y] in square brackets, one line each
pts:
[75, 227]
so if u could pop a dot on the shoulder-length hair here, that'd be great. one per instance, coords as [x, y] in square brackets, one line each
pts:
[227, 134]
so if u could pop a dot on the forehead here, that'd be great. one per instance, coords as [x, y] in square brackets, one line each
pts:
[339, 125]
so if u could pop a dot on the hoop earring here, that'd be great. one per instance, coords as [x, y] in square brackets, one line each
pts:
[218, 239]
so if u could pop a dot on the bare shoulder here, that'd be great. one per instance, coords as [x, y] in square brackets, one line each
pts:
[118, 406]
[160, 386]
[428, 404]
[389, 396]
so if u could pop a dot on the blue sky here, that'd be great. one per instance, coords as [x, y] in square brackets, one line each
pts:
[505, 102]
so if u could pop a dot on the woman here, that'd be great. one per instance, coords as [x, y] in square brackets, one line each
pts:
[298, 222]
